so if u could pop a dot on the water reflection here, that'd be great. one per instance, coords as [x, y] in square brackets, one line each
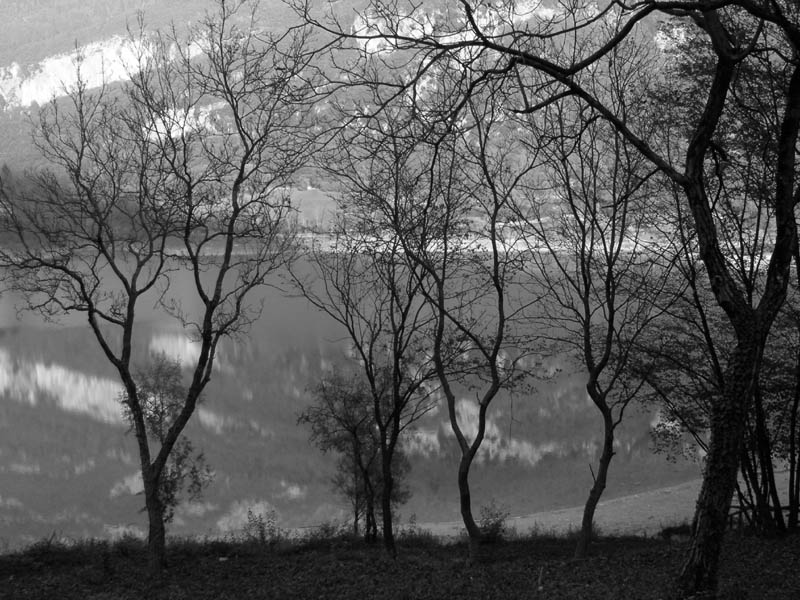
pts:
[241, 512]
[67, 463]
[176, 346]
[179, 347]
[131, 485]
[31, 381]
[496, 446]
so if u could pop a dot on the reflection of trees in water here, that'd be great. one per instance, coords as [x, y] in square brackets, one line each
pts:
[35, 381]
[539, 457]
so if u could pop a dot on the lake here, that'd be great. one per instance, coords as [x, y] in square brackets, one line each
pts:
[68, 465]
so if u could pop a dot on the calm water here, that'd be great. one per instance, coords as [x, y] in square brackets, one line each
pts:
[67, 464]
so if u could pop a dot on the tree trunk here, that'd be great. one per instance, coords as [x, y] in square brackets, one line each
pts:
[371, 534]
[386, 505]
[156, 535]
[370, 523]
[599, 485]
[465, 502]
[794, 464]
[752, 470]
[371, 526]
[728, 421]
[794, 507]
[156, 538]
[774, 514]
[356, 487]
[749, 503]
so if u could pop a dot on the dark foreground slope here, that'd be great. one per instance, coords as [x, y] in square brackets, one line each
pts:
[337, 568]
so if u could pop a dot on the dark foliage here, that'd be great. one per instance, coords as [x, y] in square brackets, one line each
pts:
[540, 567]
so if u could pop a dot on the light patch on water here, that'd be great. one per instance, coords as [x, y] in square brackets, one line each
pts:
[495, 445]
[117, 532]
[196, 509]
[235, 520]
[9, 502]
[261, 430]
[131, 485]
[25, 468]
[71, 390]
[212, 421]
[424, 442]
[328, 513]
[126, 458]
[179, 347]
[292, 491]
[325, 365]
[84, 467]
[176, 346]
[591, 448]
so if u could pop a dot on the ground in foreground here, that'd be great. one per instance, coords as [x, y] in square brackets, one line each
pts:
[535, 567]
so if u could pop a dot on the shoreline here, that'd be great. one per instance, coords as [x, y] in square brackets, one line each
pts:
[643, 514]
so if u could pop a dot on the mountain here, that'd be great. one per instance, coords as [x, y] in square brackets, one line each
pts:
[39, 43]
[41, 39]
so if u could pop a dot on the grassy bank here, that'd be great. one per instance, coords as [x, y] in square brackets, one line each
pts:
[337, 567]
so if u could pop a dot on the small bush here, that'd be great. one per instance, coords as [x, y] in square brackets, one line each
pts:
[263, 528]
[411, 534]
[492, 521]
[540, 534]
[129, 544]
[328, 533]
[679, 532]
[573, 533]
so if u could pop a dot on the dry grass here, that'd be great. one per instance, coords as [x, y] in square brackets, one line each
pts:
[338, 567]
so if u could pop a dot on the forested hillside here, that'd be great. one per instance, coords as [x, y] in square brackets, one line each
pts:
[39, 41]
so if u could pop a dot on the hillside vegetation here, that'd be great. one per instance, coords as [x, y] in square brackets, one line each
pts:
[37, 29]
[36, 34]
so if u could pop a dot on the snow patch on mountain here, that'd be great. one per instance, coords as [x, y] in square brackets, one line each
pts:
[108, 61]
[378, 35]
[102, 62]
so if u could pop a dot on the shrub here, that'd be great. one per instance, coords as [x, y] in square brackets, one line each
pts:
[263, 528]
[413, 534]
[493, 521]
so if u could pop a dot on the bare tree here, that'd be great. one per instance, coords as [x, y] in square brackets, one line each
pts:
[681, 363]
[437, 182]
[360, 277]
[594, 250]
[161, 394]
[342, 420]
[457, 233]
[181, 170]
[528, 45]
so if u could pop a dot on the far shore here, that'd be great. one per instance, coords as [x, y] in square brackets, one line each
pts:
[642, 514]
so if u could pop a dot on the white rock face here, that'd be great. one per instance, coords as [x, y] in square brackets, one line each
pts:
[106, 61]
